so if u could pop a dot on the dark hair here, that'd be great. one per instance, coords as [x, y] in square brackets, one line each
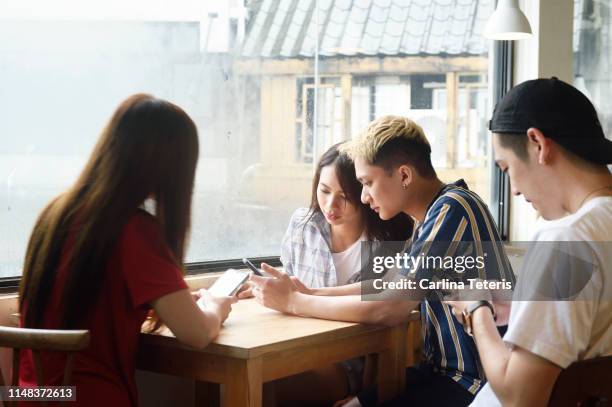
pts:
[148, 149]
[399, 228]
[399, 151]
[515, 142]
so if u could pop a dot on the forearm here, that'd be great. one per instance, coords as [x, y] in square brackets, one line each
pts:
[211, 321]
[352, 308]
[518, 377]
[341, 308]
[193, 323]
[212, 324]
[494, 355]
[349, 289]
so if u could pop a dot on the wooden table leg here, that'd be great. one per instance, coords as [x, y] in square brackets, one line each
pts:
[412, 343]
[391, 369]
[370, 370]
[207, 394]
[243, 386]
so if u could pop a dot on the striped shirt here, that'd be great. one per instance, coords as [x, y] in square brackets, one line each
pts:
[457, 223]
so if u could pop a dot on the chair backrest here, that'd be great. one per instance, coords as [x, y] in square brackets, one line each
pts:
[69, 341]
[587, 383]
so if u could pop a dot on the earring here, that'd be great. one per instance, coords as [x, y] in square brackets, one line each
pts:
[404, 187]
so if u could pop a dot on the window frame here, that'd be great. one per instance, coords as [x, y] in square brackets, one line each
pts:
[503, 62]
[11, 284]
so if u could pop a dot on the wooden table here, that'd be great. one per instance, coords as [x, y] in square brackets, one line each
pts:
[257, 345]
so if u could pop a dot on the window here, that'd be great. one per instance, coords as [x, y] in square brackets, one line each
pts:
[593, 56]
[271, 84]
[329, 117]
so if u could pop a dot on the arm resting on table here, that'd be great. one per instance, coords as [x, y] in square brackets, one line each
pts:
[348, 289]
[352, 308]
[190, 324]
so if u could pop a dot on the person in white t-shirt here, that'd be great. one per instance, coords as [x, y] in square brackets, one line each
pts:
[548, 139]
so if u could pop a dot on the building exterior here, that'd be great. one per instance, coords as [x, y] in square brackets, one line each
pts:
[423, 59]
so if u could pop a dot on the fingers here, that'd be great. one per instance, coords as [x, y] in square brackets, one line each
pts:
[298, 285]
[502, 310]
[272, 271]
[203, 293]
[195, 295]
[207, 297]
[245, 291]
[296, 282]
[257, 280]
[258, 295]
[248, 293]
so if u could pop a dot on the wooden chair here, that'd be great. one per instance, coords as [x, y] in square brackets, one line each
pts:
[69, 341]
[587, 383]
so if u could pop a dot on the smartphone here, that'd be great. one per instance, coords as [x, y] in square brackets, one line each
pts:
[229, 283]
[250, 265]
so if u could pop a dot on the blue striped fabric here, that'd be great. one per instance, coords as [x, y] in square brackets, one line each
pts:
[456, 215]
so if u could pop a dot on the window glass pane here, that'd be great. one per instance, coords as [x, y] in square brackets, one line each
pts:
[424, 60]
[593, 56]
[271, 85]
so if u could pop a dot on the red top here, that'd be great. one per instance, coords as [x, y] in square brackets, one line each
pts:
[141, 269]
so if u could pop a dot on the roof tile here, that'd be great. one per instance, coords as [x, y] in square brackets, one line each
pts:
[368, 27]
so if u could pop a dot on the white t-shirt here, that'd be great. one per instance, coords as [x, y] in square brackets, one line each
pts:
[348, 261]
[566, 331]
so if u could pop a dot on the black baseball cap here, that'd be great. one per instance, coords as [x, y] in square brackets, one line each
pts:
[558, 110]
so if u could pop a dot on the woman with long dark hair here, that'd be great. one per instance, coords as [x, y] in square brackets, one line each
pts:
[96, 260]
[322, 244]
[322, 248]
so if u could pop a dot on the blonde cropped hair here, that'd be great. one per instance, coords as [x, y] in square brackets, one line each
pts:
[379, 132]
[392, 140]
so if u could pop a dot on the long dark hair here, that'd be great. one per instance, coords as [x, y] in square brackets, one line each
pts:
[399, 228]
[148, 149]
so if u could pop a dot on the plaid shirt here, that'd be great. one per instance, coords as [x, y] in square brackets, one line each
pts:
[306, 251]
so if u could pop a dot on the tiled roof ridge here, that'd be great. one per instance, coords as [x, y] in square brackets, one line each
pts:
[286, 28]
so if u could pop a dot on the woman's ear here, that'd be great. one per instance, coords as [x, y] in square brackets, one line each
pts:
[537, 142]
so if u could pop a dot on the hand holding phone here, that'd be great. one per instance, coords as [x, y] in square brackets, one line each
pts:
[222, 306]
[251, 266]
[229, 283]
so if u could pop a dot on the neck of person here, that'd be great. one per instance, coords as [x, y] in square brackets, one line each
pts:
[423, 191]
[583, 183]
[343, 236]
